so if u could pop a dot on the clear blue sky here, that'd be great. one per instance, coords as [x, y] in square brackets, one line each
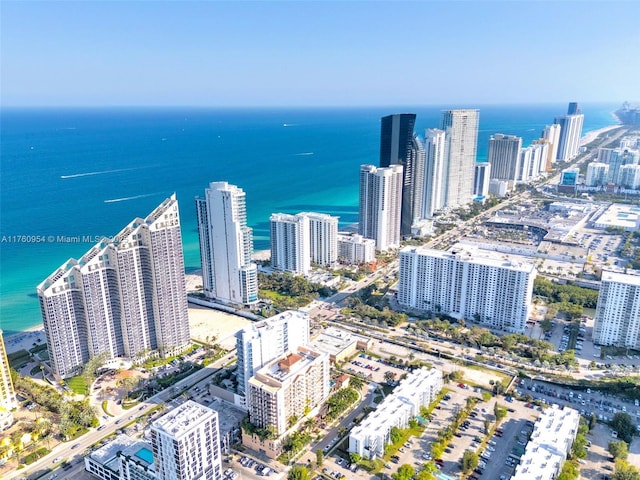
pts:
[318, 53]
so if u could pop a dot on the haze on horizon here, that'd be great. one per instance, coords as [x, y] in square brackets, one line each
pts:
[356, 53]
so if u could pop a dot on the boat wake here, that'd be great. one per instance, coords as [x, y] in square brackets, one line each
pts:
[103, 172]
[135, 197]
[303, 154]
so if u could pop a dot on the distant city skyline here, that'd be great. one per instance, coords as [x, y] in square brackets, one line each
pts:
[223, 54]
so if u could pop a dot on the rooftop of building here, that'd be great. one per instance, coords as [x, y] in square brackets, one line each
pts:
[334, 340]
[182, 419]
[620, 215]
[284, 368]
[142, 453]
[547, 449]
[257, 327]
[403, 397]
[229, 416]
[625, 278]
[468, 253]
[107, 455]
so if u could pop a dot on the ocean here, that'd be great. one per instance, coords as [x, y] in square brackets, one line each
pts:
[88, 172]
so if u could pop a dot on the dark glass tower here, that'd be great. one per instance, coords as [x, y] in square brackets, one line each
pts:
[397, 148]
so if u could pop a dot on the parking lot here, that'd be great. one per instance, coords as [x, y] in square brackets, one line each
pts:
[245, 467]
[587, 401]
[374, 368]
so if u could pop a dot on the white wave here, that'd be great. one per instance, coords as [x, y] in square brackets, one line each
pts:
[303, 154]
[103, 172]
[124, 199]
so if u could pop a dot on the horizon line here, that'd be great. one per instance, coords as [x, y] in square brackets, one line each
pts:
[297, 106]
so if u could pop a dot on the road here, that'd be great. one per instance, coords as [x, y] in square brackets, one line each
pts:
[75, 450]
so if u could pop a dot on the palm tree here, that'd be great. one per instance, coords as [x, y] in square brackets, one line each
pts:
[356, 382]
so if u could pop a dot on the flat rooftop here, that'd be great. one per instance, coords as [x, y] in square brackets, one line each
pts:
[470, 254]
[549, 444]
[182, 419]
[334, 340]
[107, 454]
[619, 215]
[608, 276]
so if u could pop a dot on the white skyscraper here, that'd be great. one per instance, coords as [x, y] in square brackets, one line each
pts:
[290, 243]
[124, 297]
[616, 158]
[617, 319]
[629, 177]
[597, 174]
[186, 444]
[481, 179]
[524, 165]
[464, 284]
[226, 245]
[435, 150]
[551, 134]
[261, 342]
[323, 238]
[570, 133]
[504, 157]
[380, 205]
[532, 161]
[461, 127]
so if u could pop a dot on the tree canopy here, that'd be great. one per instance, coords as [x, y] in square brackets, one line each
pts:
[618, 449]
[299, 472]
[623, 424]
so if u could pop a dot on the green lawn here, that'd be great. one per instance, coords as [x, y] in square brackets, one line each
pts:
[78, 385]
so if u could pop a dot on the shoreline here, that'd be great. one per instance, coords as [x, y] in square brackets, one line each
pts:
[25, 339]
[593, 134]
[259, 255]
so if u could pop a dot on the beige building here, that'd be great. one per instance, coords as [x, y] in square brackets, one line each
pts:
[285, 391]
[340, 344]
[7, 395]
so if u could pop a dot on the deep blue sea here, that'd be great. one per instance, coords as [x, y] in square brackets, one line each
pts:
[89, 172]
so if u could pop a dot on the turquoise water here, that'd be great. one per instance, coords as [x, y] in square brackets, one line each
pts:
[145, 454]
[89, 172]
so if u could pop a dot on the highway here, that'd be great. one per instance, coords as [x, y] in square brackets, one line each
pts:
[74, 451]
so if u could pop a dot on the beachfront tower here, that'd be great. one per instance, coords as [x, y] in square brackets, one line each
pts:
[226, 245]
[461, 129]
[125, 297]
[551, 134]
[380, 205]
[398, 146]
[570, 133]
[504, 157]
[323, 238]
[186, 444]
[435, 149]
[290, 243]
[7, 394]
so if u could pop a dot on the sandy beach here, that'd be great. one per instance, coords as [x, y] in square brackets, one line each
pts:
[261, 255]
[25, 340]
[591, 136]
[207, 322]
[204, 322]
